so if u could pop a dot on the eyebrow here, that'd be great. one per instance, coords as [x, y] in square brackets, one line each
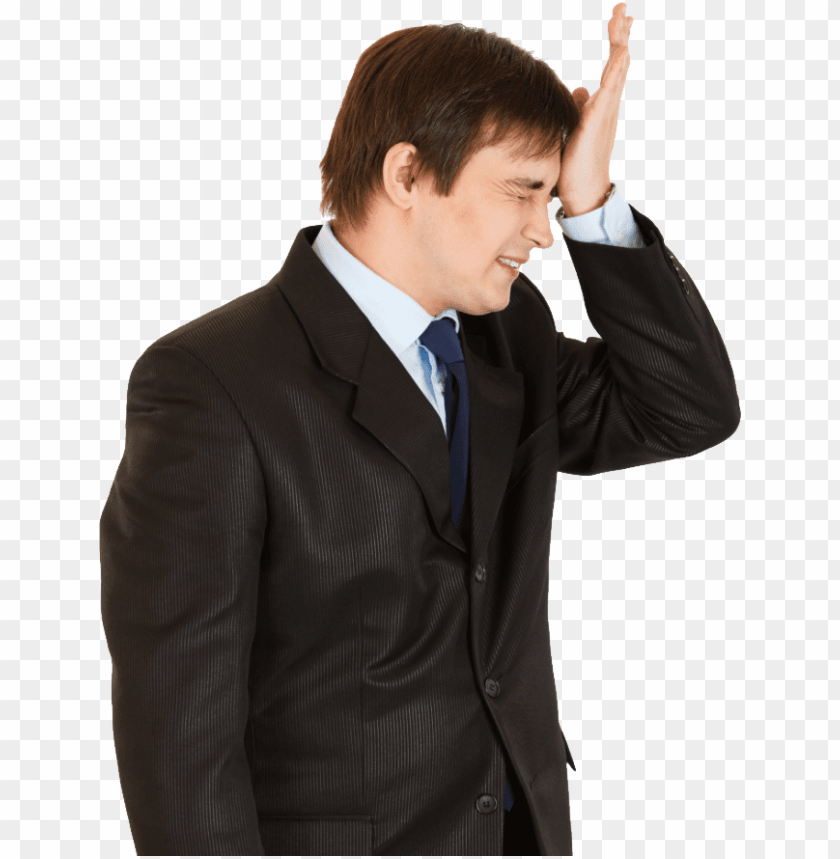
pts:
[532, 184]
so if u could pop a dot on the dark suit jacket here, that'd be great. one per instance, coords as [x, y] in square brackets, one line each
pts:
[308, 656]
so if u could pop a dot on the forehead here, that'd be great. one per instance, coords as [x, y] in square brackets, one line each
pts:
[534, 173]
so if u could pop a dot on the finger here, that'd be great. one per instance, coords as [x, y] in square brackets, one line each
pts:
[620, 12]
[580, 96]
[618, 28]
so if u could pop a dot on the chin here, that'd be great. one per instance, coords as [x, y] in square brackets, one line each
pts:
[499, 304]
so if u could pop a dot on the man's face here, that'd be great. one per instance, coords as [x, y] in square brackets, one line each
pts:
[453, 244]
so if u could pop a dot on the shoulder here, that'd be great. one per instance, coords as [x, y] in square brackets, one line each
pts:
[247, 315]
[238, 340]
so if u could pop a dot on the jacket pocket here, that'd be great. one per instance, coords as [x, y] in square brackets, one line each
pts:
[348, 835]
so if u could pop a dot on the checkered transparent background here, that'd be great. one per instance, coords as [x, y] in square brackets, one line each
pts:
[158, 160]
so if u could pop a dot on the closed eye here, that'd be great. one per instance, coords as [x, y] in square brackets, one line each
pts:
[525, 199]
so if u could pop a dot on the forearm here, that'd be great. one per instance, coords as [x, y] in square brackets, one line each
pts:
[662, 365]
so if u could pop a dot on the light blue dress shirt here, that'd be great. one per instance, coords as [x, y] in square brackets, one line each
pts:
[400, 320]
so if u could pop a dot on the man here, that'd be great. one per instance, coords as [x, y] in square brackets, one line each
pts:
[325, 552]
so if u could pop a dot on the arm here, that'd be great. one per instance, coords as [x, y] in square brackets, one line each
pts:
[180, 542]
[658, 383]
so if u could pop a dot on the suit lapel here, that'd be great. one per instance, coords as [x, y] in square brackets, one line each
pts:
[390, 405]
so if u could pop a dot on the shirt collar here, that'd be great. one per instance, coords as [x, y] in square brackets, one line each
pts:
[397, 317]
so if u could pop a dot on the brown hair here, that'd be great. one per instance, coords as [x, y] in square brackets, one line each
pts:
[449, 90]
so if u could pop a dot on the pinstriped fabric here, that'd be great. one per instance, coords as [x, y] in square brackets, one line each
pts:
[308, 655]
[178, 552]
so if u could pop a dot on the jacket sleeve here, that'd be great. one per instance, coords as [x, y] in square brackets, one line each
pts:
[658, 383]
[180, 542]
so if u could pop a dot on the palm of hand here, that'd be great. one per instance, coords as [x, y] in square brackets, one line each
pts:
[585, 167]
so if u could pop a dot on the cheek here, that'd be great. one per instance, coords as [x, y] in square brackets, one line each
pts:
[471, 237]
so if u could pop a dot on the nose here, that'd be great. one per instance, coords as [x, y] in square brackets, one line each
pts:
[538, 229]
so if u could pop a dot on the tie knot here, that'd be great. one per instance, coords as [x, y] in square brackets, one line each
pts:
[441, 339]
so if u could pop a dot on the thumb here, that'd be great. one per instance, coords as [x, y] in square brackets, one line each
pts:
[580, 96]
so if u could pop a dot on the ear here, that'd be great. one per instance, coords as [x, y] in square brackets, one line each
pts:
[397, 176]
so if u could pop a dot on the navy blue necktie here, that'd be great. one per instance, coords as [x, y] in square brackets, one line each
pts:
[441, 339]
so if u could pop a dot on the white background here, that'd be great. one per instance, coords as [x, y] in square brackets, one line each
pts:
[158, 160]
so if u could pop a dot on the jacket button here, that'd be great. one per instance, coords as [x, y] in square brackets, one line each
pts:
[492, 687]
[486, 803]
[480, 573]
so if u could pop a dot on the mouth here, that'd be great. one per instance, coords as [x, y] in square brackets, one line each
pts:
[512, 270]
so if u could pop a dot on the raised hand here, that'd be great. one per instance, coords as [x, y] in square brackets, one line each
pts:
[585, 165]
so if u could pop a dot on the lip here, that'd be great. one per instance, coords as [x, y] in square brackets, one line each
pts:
[520, 260]
[513, 272]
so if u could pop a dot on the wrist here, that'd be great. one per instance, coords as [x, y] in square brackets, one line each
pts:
[573, 210]
[582, 205]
